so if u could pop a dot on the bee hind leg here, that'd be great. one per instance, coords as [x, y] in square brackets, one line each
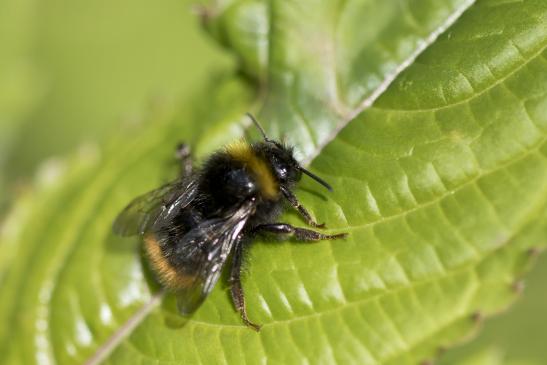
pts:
[301, 234]
[183, 153]
[238, 296]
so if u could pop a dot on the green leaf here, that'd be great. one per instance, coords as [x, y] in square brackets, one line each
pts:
[441, 184]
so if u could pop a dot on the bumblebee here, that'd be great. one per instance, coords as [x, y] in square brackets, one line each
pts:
[191, 225]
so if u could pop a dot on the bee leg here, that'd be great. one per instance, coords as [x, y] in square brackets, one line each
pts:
[238, 297]
[291, 198]
[301, 234]
[183, 153]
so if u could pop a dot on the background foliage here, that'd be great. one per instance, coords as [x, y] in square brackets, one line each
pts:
[444, 206]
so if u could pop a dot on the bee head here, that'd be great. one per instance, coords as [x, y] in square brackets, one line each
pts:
[282, 163]
[281, 158]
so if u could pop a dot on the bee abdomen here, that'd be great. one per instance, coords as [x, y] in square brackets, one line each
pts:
[166, 273]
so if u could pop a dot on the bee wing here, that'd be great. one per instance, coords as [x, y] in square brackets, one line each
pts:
[149, 210]
[201, 254]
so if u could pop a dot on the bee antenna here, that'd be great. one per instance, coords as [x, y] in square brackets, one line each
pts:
[255, 122]
[316, 178]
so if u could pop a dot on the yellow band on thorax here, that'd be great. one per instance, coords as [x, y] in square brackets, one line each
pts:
[242, 151]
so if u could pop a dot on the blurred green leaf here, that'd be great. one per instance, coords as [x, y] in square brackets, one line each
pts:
[20, 86]
[95, 65]
[441, 184]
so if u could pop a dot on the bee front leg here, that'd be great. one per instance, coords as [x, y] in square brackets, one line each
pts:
[291, 198]
[301, 234]
[238, 296]
[183, 153]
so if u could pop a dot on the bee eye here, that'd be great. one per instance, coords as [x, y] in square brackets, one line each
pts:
[279, 168]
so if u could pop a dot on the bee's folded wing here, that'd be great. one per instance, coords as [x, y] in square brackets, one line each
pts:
[196, 260]
[154, 208]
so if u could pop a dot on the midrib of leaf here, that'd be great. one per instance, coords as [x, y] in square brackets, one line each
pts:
[376, 93]
[125, 329]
